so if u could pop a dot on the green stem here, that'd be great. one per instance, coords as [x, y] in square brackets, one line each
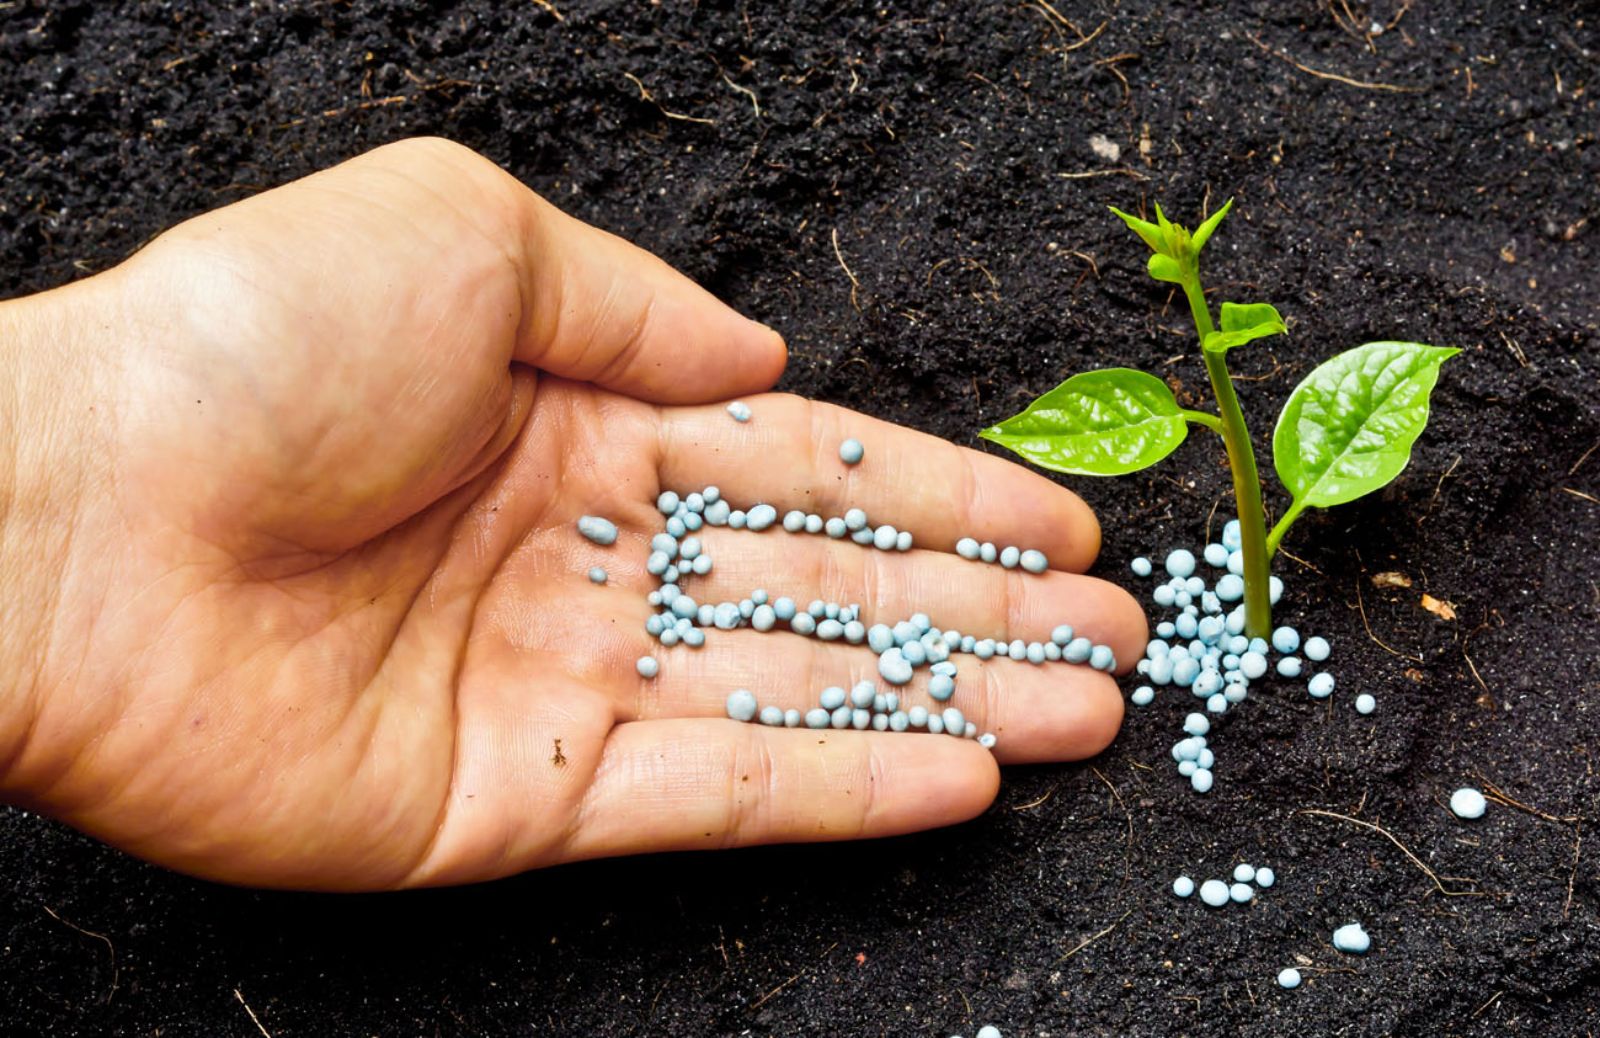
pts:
[1246, 481]
[1282, 527]
[1210, 421]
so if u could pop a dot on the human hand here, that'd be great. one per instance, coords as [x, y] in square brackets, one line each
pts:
[294, 597]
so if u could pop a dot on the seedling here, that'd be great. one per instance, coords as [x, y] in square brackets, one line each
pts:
[1346, 430]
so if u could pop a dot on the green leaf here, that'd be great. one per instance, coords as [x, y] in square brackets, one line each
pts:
[1100, 423]
[1348, 428]
[1202, 234]
[1164, 223]
[1239, 316]
[1241, 323]
[1165, 268]
[1143, 228]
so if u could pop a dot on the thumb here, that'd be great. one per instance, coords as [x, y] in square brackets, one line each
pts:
[594, 307]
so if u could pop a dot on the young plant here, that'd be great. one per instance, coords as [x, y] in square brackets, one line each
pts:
[1346, 430]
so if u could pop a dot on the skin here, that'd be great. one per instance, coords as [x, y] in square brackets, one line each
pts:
[292, 595]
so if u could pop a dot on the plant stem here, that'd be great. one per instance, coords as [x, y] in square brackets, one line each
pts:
[1210, 421]
[1246, 481]
[1282, 527]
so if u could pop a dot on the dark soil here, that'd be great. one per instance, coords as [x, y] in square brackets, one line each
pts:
[1462, 209]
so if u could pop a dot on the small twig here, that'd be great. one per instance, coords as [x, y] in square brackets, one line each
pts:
[1087, 39]
[1583, 458]
[1035, 803]
[763, 1000]
[1492, 1000]
[1277, 366]
[1111, 64]
[751, 94]
[1090, 940]
[1360, 605]
[253, 1018]
[97, 936]
[1211, 515]
[1439, 487]
[1122, 171]
[1498, 794]
[854, 283]
[645, 95]
[1295, 558]
[548, 6]
[1579, 493]
[1516, 351]
[1418, 862]
[1475, 675]
[1349, 28]
[1127, 854]
[1346, 80]
[1044, 6]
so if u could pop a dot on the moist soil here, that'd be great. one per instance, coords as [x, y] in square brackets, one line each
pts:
[915, 196]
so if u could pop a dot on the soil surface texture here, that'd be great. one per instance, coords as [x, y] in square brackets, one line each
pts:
[915, 195]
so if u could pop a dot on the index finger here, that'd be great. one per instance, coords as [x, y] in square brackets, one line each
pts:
[787, 456]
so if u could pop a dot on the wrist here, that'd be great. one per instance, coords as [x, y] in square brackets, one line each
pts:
[47, 399]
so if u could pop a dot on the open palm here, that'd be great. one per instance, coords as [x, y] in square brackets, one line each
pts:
[325, 621]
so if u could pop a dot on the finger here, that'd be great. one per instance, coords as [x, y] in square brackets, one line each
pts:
[985, 601]
[594, 307]
[691, 784]
[1037, 712]
[787, 456]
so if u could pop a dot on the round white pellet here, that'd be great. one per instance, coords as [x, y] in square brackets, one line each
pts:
[1183, 886]
[1467, 802]
[1365, 704]
[1214, 892]
[1289, 979]
[1352, 938]
[741, 705]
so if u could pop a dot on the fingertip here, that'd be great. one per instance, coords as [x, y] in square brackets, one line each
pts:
[1103, 712]
[1130, 626]
[1083, 548]
[771, 354]
[975, 784]
[1111, 617]
[763, 354]
[937, 780]
[1075, 725]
